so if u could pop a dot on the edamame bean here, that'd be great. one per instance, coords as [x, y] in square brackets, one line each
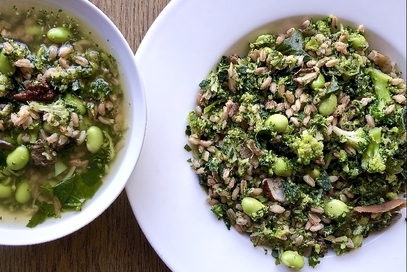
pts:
[282, 167]
[277, 122]
[94, 139]
[252, 207]
[48, 128]
[318, 83]
[292, 259]
[5, 191]
[23, 194]
[59, 34]
[336, 209]
[327, 106]
[19, 158]
[314, 173]
[6, 66]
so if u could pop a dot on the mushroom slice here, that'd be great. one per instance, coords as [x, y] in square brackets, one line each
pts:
[273, 187]
[380, 208]
[5, 144]
[381, 60]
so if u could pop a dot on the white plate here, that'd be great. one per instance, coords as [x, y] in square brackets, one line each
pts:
[182, 46]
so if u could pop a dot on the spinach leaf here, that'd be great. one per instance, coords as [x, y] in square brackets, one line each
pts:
[64, 189]
[294, 45]
[334, 86]
[80, 193]
[36, 219]
[44, 210]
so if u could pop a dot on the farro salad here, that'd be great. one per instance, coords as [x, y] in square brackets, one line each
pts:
[60, 117]
[301, 143]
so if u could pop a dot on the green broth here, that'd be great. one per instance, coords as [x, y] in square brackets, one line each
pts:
[61, 121]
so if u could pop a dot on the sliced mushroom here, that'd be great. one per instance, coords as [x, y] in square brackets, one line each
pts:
[254, 148]
[382, 61]
[5, 144]
[384, 207]
[273, 187]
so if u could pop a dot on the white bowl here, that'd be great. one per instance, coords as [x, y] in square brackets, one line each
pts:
[16, 233]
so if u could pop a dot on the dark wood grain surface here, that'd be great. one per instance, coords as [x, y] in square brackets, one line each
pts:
[114, 241]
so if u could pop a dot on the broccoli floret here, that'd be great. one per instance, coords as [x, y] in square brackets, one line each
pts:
[7, 67]
[263, 40]
[65, 80]
[380, 86]
[383, 93]
[358, 139]
[307, 147]
[5, 85]
[221, 213]
[373, 160]
[323, 27]
[55, 113]
[357, 41]
[350, 65]
[99, 89]
[292, 192]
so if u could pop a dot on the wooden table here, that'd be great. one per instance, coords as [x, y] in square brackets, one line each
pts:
[114, 241]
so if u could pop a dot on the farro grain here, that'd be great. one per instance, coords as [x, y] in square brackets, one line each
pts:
[309, 180]
[23, 63]
[343, 198]
[263, 55]
[53, 138]
[290, 32]
[370, 121]
[105, 120]
[65, 50]
[316, 228]
[305, 24]
[81, 138]
[82, 61]
[290, 97]
[276, 209]
[53, 52]
[332, 63]
[200, 171]
[63, 62]
[343, 37]
[7, 47]
[280, 39]
[389, 109]
[295, 121]
[349, 149]
[399, 98]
